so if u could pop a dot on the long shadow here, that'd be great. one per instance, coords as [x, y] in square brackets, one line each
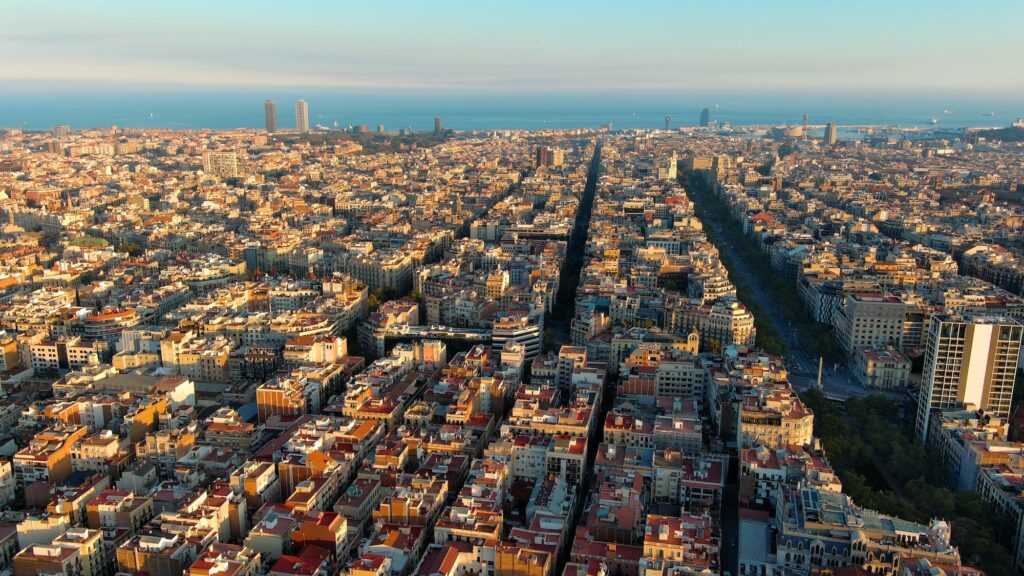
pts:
[565, 300]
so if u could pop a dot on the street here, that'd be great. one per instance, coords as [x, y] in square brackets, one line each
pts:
[803, 367]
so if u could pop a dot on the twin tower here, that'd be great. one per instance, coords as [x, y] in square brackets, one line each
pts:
[301, 116]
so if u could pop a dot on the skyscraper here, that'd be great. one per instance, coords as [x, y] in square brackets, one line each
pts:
[270, 112]
[830, 134]
[968, 360]
[705, 117]
[668, 123]
[438, 130]
[301, 117]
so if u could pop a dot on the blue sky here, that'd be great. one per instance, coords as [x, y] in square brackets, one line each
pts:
[862, 47]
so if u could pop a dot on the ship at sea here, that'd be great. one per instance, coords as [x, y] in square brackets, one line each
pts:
[989, 114]
[933, 121]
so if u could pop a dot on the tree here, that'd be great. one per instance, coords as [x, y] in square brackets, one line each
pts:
[133, 248]
[373, 301]
[715, 347]
[379, 296]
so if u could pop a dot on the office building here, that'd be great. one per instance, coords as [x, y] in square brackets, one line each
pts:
[301, 117]
[61, 130]
[438, 130]
[668, 123]
[518, 329]
[969, 360]
[830, 134]
[270, 111]
[705, 117]
[870, 321]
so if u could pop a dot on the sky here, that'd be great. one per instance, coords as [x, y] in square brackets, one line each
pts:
[863, 47]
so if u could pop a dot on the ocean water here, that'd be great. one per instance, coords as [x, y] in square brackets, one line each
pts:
[483, 111]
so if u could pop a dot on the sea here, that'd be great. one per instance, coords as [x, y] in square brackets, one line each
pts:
[492, 111]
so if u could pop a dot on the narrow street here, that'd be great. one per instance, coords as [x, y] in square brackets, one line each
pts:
[575, 256]
[561, 319]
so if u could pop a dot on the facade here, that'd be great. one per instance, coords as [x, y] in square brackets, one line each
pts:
[40, 559]
[301, 117]
[870, 321]
[227, 559]
[108, 324]
[886, 369]
[47, 458]
[270, 114]
[118, 509]
[969, 360]
[821, 530]
[831, 137]
[89, 545]
[520, 330]
[719, 324]
[222, 164]
[158, 554]
[775, 418]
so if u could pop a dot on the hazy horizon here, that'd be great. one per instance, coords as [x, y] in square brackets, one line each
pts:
[195, 64]
[866, 48]
[490, 110]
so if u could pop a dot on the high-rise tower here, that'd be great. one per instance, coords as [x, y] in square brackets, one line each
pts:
[270, 113]
[968, 360]
[438, 130]
[301, 117]
[831, 136]
[705, 117]
[668, 123]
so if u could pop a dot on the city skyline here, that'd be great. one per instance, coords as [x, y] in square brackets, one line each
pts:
[512, 289]
[746, 46]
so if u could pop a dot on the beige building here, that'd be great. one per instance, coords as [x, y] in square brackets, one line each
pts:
[774, 417]
[89, 545]
[881, 369]
[719, 324]
[158, 553]
[39, 559]
[870, 321]
[119, 509]
[95, 452]
[48, 455]
[165, 447]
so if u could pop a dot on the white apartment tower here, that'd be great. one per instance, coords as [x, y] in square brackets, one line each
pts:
[301, 117]
[968, 360]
